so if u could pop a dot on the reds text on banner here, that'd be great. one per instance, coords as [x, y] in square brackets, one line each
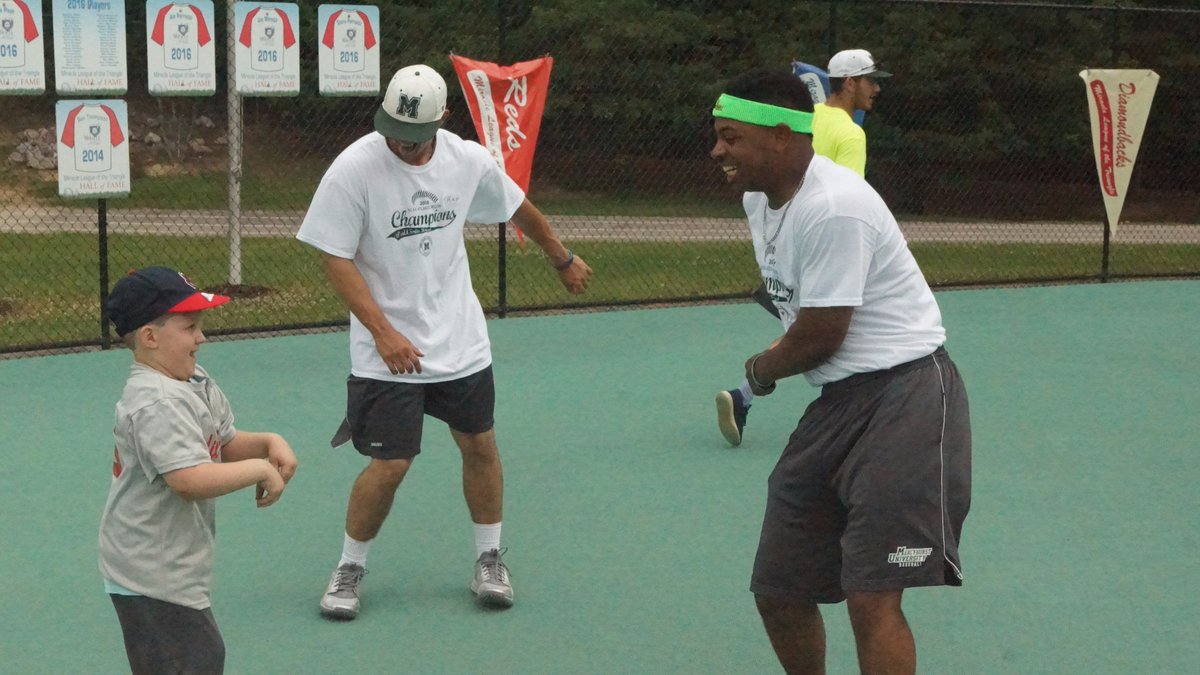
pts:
[22, 64]
[506, 105]
[1119, 104]
[93, 148]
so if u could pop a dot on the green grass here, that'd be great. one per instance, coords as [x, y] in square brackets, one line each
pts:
[953, 264]
[49, 289]
[726, 205]
[259, 192]
[263, 188]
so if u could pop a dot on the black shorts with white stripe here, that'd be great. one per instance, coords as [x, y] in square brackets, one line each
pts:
[871, 491]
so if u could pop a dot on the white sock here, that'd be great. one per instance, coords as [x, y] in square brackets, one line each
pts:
[487, 538]
[355, 551]
[747, 395]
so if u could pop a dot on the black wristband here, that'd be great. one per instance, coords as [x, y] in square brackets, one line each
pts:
[567, 264]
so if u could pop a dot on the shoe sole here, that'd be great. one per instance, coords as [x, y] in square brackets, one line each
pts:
[725, 420]
[340, 613]
[493, 598]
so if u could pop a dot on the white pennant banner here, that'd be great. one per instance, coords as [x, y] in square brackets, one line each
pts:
[1119, 103]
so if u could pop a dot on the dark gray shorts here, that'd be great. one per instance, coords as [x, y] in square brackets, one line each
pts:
[162, 637]
[872, 489]
[385, 419]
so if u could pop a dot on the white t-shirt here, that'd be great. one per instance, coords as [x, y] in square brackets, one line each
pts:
[152, 541]
[348, 33]
[403, 227]
[267, 31]
[838, 245]
[181, 30]
[92, 131]
[17, 30]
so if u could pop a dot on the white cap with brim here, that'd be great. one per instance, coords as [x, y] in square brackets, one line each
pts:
[855, 63]
[414, 105]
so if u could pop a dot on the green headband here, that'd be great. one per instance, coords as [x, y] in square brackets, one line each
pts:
[762, 114]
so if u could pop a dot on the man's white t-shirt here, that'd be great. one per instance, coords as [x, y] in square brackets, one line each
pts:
[836, 244]
[403, 227]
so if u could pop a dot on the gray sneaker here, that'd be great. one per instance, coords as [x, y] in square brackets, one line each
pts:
[491, 585]
[341, 597]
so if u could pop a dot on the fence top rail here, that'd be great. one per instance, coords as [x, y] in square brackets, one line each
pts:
[1034, 4]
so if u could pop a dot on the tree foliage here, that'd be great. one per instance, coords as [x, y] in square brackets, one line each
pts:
[981, 92]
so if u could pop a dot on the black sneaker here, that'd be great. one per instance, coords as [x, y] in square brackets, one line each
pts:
[731, 415]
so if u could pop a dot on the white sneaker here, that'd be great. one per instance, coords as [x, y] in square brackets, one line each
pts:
[341, 596]
[491, 585]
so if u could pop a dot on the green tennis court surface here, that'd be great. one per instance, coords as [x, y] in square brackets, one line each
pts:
[631, 526]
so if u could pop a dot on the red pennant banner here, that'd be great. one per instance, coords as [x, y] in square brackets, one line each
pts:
[506, 104]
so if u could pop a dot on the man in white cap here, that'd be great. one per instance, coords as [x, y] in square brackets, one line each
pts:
[388, 218]
[853, 85]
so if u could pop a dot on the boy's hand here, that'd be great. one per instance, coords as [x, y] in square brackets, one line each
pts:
[280, 455]
[270, 488]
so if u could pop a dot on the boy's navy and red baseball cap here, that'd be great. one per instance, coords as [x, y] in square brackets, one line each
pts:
[146, 294]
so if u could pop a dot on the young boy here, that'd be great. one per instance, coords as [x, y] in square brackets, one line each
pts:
[176, 451]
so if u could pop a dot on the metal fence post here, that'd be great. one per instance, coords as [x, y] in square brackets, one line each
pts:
[502, 235]
[234, 132]
[102, 225]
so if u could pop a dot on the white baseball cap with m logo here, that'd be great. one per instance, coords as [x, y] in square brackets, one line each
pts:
[414, 106]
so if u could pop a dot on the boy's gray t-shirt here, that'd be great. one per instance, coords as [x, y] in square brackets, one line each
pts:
[153, 542]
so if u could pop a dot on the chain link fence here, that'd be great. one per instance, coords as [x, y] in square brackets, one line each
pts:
[980, 143]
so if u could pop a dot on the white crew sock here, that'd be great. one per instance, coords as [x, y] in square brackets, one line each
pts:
[355, 551]
[487, 538]
[747, 395]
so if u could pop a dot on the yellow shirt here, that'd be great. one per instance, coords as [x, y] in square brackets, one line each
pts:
[836, 136]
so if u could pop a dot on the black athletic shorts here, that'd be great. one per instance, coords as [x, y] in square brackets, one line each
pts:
[162, 637]
[385, 418]
[873, 487]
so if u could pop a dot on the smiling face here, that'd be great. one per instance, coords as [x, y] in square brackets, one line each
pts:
[170, 346]
[744, 152]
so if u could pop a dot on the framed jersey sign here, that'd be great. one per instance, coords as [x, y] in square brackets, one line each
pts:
[180, 54]
[268, 55]
[93, 148]
[22, 60]
[348, 50]
[89, 47]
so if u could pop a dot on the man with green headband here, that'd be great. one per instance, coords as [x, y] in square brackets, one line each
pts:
[872, 488]
[853, 74]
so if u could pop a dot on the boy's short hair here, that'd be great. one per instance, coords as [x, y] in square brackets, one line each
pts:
[149, 293]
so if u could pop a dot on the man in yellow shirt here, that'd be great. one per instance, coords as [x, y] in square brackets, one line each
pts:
[853, 86]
